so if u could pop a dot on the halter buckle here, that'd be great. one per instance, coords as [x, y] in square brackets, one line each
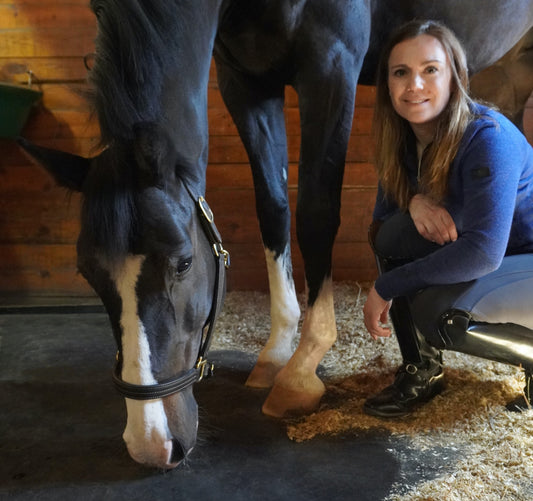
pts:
[218, 250]
[205, 367]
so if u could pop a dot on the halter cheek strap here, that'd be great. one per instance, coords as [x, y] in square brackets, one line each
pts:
[202, 368]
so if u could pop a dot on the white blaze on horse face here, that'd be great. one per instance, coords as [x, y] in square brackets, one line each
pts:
[147, 435]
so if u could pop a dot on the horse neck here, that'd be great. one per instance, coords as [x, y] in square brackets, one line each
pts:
[184, 94]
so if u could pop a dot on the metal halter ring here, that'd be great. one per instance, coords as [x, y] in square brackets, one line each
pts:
[411, 369]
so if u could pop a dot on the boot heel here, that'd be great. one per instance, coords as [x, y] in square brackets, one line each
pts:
[523, 402]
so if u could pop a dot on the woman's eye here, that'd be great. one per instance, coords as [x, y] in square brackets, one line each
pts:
[183, 266]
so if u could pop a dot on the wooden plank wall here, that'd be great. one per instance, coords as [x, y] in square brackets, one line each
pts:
[39, 221]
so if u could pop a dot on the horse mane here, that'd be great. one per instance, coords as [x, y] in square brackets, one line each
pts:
[137, 45]
[137, 42]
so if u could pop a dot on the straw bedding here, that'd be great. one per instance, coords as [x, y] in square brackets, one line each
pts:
[495, 459]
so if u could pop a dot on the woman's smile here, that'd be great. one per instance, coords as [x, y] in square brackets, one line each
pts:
[420, 83]
[416, 101]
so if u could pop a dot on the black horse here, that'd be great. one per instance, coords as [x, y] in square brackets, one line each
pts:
[141, 244]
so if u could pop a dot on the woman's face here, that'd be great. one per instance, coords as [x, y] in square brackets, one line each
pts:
[420, 80]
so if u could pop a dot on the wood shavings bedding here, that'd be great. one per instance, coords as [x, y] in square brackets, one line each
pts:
[470, 414]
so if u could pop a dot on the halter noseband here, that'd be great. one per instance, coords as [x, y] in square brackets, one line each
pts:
[202, 368]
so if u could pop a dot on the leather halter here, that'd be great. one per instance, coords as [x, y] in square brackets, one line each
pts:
[202, 368]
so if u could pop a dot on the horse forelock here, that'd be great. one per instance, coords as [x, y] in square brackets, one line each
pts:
[136, 46]
[115, 215]
[109, 211]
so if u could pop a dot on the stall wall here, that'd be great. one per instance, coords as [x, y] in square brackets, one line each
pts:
[39, 221]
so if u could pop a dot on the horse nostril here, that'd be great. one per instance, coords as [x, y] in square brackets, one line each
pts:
[178, 453]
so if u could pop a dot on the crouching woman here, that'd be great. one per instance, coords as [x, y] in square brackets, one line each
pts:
[452, 226]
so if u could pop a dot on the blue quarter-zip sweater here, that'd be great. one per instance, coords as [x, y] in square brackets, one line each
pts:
[490, 199]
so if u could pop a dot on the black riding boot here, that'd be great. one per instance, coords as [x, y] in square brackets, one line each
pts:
[420, 377]
[508, 343]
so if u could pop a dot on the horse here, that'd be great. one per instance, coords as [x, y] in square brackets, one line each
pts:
[508, 83]
[141, 245]
[148, 244]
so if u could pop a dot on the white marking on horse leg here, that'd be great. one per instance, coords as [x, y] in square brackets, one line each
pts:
[297, 387]
[319, 331]
[284, 314]
[147, 435]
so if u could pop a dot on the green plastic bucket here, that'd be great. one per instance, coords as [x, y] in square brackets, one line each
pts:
[15, 106]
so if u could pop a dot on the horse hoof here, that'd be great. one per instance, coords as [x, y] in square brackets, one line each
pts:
[263, 375]
[284, 402]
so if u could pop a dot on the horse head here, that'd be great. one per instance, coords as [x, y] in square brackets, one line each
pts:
[144, 248]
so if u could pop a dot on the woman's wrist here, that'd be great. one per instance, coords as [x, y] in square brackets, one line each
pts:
[377, 288]
[414, 198]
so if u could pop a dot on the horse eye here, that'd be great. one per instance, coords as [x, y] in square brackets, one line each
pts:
[183, 266]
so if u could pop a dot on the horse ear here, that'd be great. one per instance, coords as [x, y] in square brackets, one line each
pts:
[67, 169]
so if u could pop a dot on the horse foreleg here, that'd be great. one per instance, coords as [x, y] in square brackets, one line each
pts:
[284, 315]
[257, 110]
[297, 388]
[326, 100]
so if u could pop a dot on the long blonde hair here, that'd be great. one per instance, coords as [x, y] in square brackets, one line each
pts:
[391, 131]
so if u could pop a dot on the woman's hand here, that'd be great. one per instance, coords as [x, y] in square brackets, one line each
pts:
[432, 221]
[376, 312]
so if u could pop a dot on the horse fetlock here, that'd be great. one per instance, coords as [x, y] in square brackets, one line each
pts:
[263, 375]
[270, 362]
[286, 399]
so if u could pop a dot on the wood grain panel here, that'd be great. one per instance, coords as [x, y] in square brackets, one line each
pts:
[45, 15]
[46, 42]
[41, 270]
[56, 70]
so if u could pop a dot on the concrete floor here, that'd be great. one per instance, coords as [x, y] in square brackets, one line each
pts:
[61, 424]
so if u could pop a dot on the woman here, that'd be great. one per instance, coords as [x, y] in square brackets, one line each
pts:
[453, 216]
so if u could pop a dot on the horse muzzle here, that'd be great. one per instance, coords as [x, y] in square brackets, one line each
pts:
[149, 438]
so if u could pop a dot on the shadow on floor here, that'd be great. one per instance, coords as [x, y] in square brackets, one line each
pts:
[61, 426]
